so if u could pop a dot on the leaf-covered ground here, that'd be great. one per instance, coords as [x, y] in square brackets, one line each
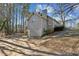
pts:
[47, 45]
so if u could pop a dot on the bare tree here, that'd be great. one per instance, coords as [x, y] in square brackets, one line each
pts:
[64, 10]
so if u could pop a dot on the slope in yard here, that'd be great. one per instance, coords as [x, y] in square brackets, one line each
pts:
[47, 45]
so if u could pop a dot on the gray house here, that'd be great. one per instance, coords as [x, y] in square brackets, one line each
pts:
[40, 24]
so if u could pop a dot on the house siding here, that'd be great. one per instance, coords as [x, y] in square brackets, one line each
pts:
[35, 26]
[39, 25]
[50, 24]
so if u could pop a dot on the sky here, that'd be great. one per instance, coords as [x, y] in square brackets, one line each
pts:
[36, 7]
[50, 9]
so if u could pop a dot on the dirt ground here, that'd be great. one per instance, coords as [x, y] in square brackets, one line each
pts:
[63, 43]
[47, 45]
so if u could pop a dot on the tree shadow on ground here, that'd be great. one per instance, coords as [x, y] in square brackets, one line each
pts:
[5, 53]
[35, 50]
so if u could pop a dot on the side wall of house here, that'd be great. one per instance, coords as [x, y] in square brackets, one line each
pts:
[35, 25]
[44, 25]
[50, 24]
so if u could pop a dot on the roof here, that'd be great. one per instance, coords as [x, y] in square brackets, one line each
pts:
[44, 16]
